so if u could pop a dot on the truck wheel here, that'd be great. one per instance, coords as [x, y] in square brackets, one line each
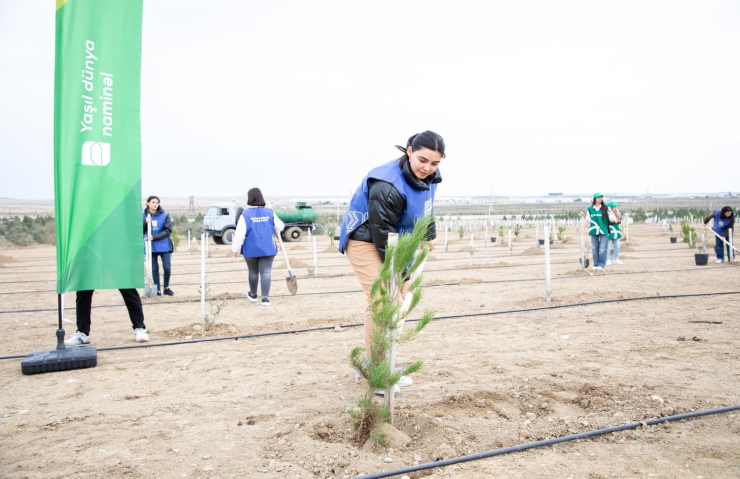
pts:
[228, 236]
[218, 239]
[293, 234]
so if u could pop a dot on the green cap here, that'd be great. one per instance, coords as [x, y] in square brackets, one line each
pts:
[596, 195]
[613, 204]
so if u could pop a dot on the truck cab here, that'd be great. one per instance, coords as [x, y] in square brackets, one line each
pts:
[221, 218]
[220, 222]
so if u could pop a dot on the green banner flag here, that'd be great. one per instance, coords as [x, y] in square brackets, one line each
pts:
[97, 145]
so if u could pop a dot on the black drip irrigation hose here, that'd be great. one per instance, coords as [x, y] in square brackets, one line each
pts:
[6, 272]
[339, 275]
[437, 318]
[349, 274]
[317, 293]
[345, 263]
[547, 442]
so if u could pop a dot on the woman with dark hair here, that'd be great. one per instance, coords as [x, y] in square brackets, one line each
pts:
[254, 240]
[724, 221]
[598, 215]
[161, 243]
[389, 200]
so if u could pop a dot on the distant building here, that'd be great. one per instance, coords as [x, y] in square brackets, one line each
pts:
[486, 200]
[554, 194]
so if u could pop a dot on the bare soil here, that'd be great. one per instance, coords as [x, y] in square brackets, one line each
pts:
[276, 406]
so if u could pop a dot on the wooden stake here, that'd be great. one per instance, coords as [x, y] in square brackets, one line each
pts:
[548, 290]
[583, 257]
[391, 355]
[315, 260]
[202, 281]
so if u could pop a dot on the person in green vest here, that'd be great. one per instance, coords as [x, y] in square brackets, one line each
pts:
[615, 232]
[598, 217]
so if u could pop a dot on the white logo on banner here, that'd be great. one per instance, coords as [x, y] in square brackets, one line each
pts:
[95, 153]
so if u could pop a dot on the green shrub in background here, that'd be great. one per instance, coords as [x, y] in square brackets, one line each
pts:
[175, 239]
[27, 231]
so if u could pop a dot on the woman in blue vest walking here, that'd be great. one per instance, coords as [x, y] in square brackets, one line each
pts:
[724, 221]
[254, 240]
[389, 200]
[161, 243]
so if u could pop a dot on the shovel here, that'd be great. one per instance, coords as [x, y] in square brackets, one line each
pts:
[150, 289]
[291, 279]
[721, 238]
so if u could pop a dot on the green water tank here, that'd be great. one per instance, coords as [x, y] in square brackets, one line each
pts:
[302, 214]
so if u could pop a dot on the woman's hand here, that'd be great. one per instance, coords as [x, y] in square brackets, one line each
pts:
[582, 214]
[431, 244]
[148, 219]
[236, 254]
[149, 237]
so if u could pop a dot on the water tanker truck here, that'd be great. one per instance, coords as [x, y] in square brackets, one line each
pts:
[220, 221]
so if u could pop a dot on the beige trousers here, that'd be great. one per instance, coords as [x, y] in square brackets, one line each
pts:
[366, 262]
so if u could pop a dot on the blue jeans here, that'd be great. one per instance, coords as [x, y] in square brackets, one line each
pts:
[719, 249]
[599, 245]
[166, 265]
[615, 249]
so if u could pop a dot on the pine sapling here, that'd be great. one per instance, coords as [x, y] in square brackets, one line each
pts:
[561, 233]
[517, 229]
[401, 261]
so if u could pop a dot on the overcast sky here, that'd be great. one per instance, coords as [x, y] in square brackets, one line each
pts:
[303, 98]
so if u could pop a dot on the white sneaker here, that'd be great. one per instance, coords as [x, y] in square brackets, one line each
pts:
[140, 335]
[79, 339]
[597, 267]
[608, 262]
[718, 261]
[616, 261]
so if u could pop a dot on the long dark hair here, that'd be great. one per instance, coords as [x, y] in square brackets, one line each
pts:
[425, 139]
[725, 210]
[604, 210]
[255, 198]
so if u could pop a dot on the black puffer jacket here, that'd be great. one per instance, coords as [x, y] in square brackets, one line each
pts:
[166, 230]
[385, 206]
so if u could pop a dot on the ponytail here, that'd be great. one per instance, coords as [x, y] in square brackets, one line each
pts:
[427, 139]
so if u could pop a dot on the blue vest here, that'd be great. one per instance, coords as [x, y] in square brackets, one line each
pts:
[260, 227]
[160, 245]
[418, 202]
[720, 224]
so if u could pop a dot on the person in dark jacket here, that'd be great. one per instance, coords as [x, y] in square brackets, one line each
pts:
[161, 243]
[84, 307]
[389, 200]
[724, 221]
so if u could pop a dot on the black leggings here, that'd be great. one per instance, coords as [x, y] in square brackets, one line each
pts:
[260, 267]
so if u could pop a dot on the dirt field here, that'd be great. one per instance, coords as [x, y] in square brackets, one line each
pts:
[275, 406]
